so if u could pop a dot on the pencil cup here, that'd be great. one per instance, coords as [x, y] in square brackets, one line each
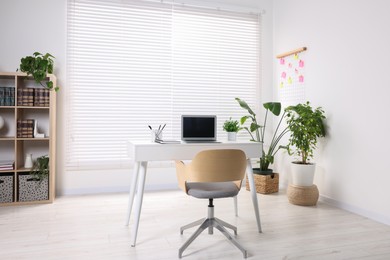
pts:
[155, 135]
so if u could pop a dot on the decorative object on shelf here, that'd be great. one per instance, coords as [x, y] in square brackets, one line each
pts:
[231, 127]
[40, 168]
[36, 134]
[306, 126]
[2, 122]
[38, 66]
[28, 162]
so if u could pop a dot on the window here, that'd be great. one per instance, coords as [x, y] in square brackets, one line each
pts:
[133, 64]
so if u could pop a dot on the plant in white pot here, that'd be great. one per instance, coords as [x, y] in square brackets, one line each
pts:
[306, 126]
[231, 127]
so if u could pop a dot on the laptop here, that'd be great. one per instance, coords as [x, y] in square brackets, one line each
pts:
[199, 128]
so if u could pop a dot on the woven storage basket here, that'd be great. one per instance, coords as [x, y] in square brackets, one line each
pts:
[265, 184]
[32, 190]
[302, 195]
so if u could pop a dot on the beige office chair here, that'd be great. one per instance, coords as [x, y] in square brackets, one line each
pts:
[212, 174]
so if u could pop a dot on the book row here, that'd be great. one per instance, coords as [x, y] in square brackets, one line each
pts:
[7, 96]
[25, 128]
[37, 97]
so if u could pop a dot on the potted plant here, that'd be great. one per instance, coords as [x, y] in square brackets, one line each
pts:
[38, 66]
[306, 126]
[231, 127]
[257, 133]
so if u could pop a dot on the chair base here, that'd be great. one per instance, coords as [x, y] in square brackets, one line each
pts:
[210, 222]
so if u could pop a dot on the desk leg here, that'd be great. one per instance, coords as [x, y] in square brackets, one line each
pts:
[133, 187]
[138, 201]
[249, 173]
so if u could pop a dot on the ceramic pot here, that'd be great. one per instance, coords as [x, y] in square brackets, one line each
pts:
[232, 136]
[302, 174]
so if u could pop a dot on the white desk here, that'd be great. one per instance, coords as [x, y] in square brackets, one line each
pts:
[143, 152]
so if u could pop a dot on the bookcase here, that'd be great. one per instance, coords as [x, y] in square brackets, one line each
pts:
[24, 105]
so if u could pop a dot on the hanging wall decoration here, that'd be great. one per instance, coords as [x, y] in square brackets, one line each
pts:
[291, 76]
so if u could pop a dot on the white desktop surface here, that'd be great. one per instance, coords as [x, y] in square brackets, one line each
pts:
[150, 151]
[141, 152]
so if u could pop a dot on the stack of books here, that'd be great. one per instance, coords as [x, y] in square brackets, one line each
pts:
[7, 96]
[25, 128]
[26, 97]
[6, 165]
[41, 97]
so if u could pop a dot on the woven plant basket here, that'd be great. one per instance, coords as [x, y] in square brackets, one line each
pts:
[265, 184]
[302, 195]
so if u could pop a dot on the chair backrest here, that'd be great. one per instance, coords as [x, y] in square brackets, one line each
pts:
[217, 166]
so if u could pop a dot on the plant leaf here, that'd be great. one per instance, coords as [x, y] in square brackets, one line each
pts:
[274, 107]
[244, 105]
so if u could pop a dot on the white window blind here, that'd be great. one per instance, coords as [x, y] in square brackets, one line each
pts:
[132, 64]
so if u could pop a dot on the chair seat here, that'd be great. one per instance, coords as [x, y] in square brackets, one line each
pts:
[208, 190]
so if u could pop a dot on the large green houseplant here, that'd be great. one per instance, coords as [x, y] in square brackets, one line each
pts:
[257, 132]
[306, 125]
[38, 66]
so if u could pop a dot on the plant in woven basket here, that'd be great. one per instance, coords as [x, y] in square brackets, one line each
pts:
[257, 132]
[38, 65]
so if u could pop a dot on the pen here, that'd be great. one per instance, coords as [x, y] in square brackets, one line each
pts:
[163, 128]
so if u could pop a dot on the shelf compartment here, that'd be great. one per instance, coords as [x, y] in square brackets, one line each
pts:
[30, 146]
[8, 129]
[30, 189]
[7, 187]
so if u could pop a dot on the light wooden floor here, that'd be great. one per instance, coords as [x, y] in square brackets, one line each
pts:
[92, 227]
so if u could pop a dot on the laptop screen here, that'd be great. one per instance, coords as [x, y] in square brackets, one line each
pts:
[198, 128]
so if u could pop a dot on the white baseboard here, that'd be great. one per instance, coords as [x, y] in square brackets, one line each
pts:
[362, 212]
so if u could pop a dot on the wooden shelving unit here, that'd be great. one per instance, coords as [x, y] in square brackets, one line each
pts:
[14, 148]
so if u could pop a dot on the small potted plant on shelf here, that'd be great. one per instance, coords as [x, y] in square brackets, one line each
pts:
[38, 66]
[306, 126]
[257, 133]
[231, 127]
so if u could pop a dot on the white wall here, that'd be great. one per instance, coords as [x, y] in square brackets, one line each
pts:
[40, 25]
[346, 71]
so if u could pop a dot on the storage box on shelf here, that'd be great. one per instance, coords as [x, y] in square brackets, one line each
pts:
[26, 106]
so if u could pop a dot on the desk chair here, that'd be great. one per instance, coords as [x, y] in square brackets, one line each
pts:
[212, 174]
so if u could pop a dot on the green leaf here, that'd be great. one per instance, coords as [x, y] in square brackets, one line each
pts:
[254, 127]
[274, 107]
[49, 84]
[243, 119]
[244, 105]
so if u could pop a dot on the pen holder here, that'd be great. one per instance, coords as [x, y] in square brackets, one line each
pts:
[155, 135]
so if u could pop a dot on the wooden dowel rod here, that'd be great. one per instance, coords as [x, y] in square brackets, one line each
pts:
[291, 52]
